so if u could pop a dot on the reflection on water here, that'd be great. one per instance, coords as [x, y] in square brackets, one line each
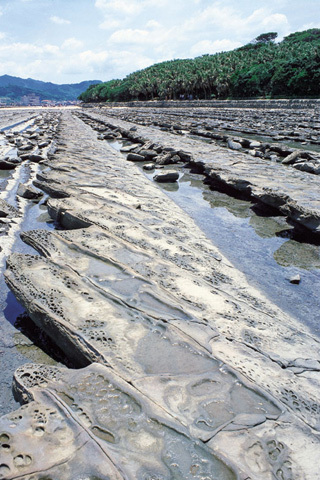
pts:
[258, 245]
[4, 174]
[168, 187]
[299, 143]
[291, 253]
[305, 256]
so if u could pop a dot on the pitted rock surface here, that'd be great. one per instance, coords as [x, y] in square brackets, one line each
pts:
[134, 285]
[96, 426]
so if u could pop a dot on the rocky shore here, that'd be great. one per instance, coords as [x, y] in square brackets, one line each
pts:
[238, 168]
[184, 370]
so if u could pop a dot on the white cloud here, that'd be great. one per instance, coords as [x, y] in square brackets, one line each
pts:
[308, 26]
[59, 20]
[127, 7]
[227, 19]
[110, 24]
[206, 46]
[18, 50]
[276, 21]
[153, 24]
[121, 36]
[72, 44]
[50, 49]
[90, 57]
[130, 36]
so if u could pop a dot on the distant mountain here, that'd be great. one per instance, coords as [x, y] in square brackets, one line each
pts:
[15, 88]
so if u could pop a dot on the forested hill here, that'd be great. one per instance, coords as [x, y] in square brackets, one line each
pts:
[15, 88]
[262, 68]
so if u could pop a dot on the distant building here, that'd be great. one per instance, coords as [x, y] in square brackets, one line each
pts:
[31, 99]
[5, 101]
[48, 103]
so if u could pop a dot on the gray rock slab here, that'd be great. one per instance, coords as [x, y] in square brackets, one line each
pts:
[143, 292]
[91, 324]
[234, 169]
[90, 424]
[7, 210]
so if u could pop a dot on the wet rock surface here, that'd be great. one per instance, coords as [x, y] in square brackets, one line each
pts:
[191, 364]
[294, 193]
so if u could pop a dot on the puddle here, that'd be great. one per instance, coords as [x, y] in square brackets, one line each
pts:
[117, 144]
[253, 243]
[260, 138]
[20, 340]
[3, 175]
[36, 217]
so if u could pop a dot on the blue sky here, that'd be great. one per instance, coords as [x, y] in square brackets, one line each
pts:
[67, 41]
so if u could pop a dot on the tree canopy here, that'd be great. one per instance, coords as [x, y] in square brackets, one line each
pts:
[261, 68]
[266, 37]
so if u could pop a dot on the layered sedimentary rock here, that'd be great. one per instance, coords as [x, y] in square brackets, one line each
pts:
[191, 353]
[294, 193]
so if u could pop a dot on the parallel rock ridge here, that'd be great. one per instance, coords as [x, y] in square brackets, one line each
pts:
[264, 179]
[190, 376]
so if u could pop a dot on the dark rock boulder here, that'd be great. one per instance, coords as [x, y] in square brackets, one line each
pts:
[169, 176]
[135, 157]
[27, 191]
[8, 163]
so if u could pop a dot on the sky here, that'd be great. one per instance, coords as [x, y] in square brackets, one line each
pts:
[68, 41]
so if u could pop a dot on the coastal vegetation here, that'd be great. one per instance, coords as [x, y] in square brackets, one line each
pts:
[262, 68]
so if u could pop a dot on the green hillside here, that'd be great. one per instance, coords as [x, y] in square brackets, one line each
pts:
[262, 68]
[15, 87]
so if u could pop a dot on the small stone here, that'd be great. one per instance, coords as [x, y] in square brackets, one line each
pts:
[148, 154]
[36, 158]
[135, 157]
[296, 279]
[175, 159]
[292, 158]
[255, 144]
[305, 167]
[234, 145]
[167, 177]
[109, 135]
[149, 166]
[24, 156]
[27, 147]
[8, 163]
[43, 144]
[128, 148]
[185, 156]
